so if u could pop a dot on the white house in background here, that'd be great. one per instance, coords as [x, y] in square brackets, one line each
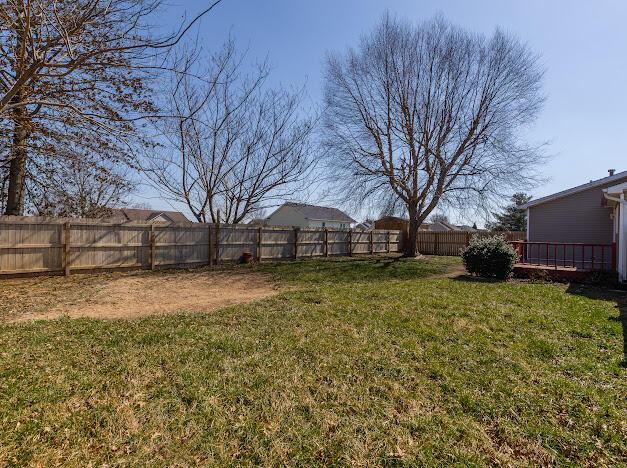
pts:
[309, 216]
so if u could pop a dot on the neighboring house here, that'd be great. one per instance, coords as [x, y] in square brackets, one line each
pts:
[592, 213]
[442, 226]
[153, 216]
[309, 216]
[365, 226]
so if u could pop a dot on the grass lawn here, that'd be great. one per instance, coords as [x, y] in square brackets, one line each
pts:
[355, 362]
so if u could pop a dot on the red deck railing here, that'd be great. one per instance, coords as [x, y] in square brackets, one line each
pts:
[587, 257]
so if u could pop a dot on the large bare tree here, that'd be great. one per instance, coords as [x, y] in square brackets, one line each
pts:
[231, 146]
[76, 71]
[431, 113]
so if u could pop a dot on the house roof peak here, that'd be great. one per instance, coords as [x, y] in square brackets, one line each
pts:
[320, 213]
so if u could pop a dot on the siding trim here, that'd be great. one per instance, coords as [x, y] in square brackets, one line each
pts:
[622, 240]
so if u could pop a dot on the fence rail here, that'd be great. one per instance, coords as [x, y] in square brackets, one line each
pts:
[451, 242]
[48, 245]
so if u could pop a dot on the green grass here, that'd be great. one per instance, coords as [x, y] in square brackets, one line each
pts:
[357, 362]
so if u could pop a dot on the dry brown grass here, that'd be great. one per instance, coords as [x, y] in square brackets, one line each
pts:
[129, 295]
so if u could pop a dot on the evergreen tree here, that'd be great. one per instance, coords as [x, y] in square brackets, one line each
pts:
[513, 217]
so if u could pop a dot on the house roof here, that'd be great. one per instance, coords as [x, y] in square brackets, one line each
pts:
[580, 188]
[320, 213]
[135, 214]
[446, 224]
[393, 218]
[258, 221]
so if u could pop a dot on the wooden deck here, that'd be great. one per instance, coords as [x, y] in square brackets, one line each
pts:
[558, 273]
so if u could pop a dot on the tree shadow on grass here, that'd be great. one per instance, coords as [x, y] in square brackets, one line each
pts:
[606, 294]
[468, 278]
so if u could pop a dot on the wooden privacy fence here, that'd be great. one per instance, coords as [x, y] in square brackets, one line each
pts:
[451, 242]
[48, 245]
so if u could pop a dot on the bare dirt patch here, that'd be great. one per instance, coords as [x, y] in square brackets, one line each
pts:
[129, 295]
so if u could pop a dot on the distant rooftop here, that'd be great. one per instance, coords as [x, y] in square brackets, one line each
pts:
[136, 214]
[321, 213]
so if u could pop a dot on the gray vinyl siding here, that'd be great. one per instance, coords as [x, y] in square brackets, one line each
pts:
[579, 218]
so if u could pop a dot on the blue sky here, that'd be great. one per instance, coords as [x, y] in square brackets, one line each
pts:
[583, 46]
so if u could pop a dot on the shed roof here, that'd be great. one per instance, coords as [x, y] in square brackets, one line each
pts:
[580, 188]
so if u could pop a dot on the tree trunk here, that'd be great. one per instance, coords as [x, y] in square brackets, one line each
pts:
[17, 168]
[411, 248]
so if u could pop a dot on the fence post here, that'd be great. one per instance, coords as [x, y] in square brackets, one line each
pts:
[435, 243]
[350, 242]
[387, 246]
[67, 239]
[614, 259]
[295, 243]
[259, 243]
[326, 242]
[152, 246]
[371, 244]
[217, 249]
[210, 246]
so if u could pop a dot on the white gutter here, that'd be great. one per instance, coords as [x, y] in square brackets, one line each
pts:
[622, 239]
[609, 197]
[621, 263]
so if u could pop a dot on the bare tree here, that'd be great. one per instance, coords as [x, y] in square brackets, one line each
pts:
[76, 67]
[80, 189]
[234, 146]
[72, 185]
[430, 114]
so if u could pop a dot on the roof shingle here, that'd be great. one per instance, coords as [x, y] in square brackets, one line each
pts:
[323, 213]
[135, 214]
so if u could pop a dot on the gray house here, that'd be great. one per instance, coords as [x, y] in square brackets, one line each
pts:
[592, 213]
[309, 216]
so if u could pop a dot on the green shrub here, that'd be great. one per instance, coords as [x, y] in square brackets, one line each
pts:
[491, 257]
